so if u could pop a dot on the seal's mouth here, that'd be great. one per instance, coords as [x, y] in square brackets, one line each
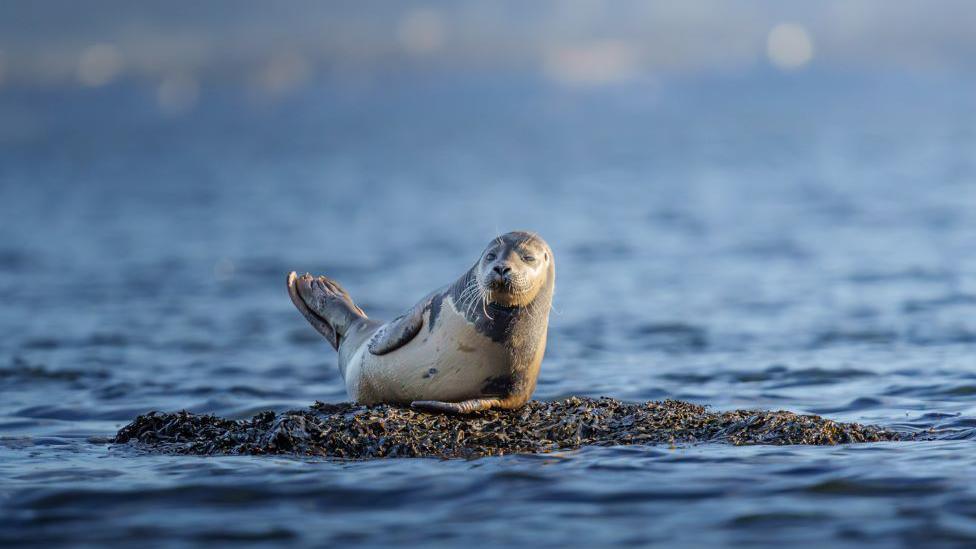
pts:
[505, 296]
[506, 286]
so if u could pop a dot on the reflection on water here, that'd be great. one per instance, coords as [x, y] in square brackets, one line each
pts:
[801, 244]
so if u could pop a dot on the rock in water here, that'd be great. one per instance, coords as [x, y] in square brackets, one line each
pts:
[359, 432]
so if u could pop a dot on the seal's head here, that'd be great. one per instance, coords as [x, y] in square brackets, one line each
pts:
[514, 268]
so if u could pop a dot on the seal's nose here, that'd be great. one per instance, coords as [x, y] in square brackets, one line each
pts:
[502, 270]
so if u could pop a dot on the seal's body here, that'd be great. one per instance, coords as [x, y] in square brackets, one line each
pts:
[472, 345]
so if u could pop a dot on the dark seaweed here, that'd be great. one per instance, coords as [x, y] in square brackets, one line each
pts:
[359, 432]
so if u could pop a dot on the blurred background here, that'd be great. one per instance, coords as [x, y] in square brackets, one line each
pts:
[751, 204]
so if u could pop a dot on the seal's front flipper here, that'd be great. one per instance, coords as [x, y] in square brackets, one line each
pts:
[325, 304]
[464, 407]
[398, 332]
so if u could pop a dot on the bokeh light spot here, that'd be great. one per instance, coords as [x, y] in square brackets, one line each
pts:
[177, 93]
[99, 65]
[596, 63]
[421, 31]
[283, 73]
[789, 46]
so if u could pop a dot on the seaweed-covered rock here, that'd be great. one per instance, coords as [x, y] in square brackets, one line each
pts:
[354, 431]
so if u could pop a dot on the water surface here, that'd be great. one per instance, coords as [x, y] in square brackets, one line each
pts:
[800, 243]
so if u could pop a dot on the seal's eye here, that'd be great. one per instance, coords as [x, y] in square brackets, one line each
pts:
[528, 258]
[490, 256]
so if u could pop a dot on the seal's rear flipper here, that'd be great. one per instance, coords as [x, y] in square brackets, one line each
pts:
[325, 304]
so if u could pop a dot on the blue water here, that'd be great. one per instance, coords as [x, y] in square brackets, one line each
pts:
[800, 242]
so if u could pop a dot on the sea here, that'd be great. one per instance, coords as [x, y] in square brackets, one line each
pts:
[796, 241]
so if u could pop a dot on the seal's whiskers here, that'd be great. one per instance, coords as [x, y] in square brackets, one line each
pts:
[486, 296]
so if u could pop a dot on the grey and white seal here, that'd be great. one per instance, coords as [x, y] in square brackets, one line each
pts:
[472, 345]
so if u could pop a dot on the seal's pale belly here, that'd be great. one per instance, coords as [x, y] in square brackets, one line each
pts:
[453, 362]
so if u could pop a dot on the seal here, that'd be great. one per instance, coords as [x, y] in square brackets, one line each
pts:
[472, 345]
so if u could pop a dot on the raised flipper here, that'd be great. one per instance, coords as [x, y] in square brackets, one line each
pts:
[325, 304]
[464, 407]
[399, 331]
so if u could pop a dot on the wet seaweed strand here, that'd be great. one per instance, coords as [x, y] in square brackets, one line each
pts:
[360, 432]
